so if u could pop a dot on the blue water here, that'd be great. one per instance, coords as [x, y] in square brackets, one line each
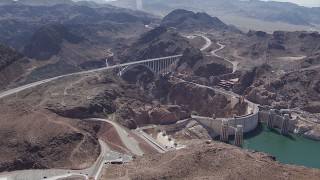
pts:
[289, 149]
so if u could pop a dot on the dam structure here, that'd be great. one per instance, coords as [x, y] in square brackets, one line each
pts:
[248, 121]
[232, 124]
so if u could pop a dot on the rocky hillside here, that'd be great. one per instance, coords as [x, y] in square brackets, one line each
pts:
[12, 66]
[51, 70]
[34, 138]
[295, 89]
[159, 42]
[211, 160]
[280, 42]
[59, 143]
[47, 41]
[184, 20]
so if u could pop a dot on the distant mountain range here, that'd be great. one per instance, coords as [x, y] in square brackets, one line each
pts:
[255, 9]
[35, 2]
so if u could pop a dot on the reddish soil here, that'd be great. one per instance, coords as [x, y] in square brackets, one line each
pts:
[143, 145]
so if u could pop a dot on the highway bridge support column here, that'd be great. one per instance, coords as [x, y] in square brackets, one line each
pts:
[238, 140]
[285, 124]
[224, 131]
[270, 123]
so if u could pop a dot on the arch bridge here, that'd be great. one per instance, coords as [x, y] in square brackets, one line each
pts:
[158, 66]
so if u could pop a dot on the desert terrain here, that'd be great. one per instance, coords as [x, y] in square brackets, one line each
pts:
[89, 117]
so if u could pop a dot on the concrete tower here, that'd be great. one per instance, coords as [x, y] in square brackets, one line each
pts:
[139, 4]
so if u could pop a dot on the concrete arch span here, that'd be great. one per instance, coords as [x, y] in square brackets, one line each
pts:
[123, 71]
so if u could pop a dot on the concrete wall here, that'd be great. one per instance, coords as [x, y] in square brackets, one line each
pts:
[249, 121]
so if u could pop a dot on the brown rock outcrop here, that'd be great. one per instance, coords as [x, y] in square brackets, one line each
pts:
[211, 160]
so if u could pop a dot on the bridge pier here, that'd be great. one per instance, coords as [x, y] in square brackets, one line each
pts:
[167, 67]
[285, 124]
[158, 65]
[224, 136]
[270, 123]
[238, 140]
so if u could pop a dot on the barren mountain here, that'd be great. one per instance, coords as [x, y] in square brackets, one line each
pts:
[159, 42]
[47, 41]
[189, 21]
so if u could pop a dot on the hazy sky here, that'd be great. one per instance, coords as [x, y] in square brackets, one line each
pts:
[309, 3]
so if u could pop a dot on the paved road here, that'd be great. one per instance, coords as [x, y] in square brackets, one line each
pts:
[208, 42]
[127, 140]
[234, 63]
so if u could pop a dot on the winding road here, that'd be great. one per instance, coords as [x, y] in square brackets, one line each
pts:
[208, 44]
